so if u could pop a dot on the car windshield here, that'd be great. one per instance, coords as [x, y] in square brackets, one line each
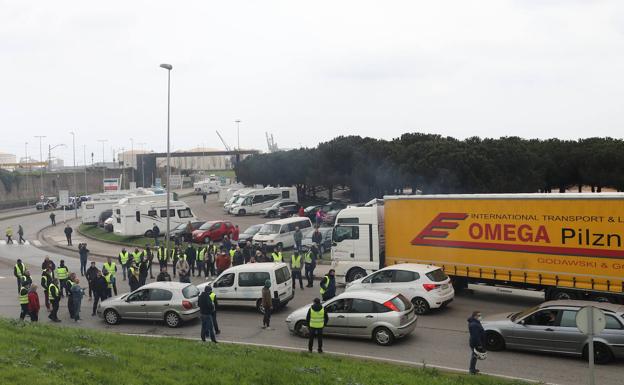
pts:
[269, 229]
[310, 208]
[239, 200]
[524, 313]
[206, 226]
[252, 230]
[181, 226]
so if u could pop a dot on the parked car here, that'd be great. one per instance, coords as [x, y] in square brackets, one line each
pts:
[243, 284]
[551, 327]
[108, 224]
[331, 211]
[328, 207]
[380, 315]
[104, 215]
[180, 231]
[71, 204]
[326, 243]
[247, 235]
[49, 203]
[273, 210]
[290, 210]
[213, 230]
[425, 286]
[171, 302]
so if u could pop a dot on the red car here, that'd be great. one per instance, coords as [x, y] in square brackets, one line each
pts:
[213, 230]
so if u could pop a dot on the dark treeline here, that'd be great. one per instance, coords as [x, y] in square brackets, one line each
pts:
[434, 164]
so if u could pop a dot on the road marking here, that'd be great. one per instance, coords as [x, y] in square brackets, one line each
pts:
[36, 243]
[360, 356]
[2, 242]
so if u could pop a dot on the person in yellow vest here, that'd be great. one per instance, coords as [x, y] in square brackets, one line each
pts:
[133, 276]
[124, 257]
[162, 257]
[54, 293]
[70, 296]
[295, 267]
[317, 319]
[201, 257]
[213, 298]
[111, 267]
[62, 273]
[175, 256]
[18, 272]
[23, 300]
[277, 255]
[9, 235]
[136, 256]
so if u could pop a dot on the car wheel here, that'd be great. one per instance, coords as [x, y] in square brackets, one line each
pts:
[602, 353]
[111, 317]
[301, 329]
[383, 336]
[272, 214]
[354, 274]
[172, 319]
[562, 295]
[242, 212]
[494, 341]
[421, 306]
[149, 234]
[259, 306]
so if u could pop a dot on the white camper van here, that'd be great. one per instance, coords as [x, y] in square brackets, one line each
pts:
[252, 201]
[90, 210]
[138, 217]
[281, 232]
[234, 197]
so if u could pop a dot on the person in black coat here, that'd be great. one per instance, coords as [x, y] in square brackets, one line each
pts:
[100, 290]
[206, 313]
[91, 277]
[477, 339]
[191, 257]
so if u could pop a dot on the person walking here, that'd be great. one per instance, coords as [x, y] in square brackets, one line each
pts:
[91, 277]
[183, 270]
[163, 276]
[155, 234]
[55, 297]
[77, 294]
[83, 252]
[317, 319]
[62, 273]
[206, 311]
[111, 268]
[267, 304]
[23, 300]
[124, 258]
[476, 339]
[328, 285]
[298, 237]
[9, 235]
[20, 234]
[100, 289]
[18, 271]
[33, 303]
[68, 234]
[310, 264]
[53, 218]
[295, 267]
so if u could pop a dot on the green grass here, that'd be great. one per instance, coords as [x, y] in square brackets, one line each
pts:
[100, 234]
[40, 354]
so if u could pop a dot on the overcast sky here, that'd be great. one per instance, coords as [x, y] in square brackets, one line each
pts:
[306, 71]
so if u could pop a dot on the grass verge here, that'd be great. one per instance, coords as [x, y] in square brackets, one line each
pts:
[93, 231]
[47, 355]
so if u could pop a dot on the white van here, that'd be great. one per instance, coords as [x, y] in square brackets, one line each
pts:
[134, 218]
[242, 284]
[234, 197]
[252, 202]
[280, 232]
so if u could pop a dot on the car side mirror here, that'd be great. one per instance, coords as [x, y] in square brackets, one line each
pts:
[521, 322]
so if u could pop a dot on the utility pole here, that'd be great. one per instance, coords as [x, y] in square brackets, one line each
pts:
[84, 149]
[103, 164]
[237, 121]
[132, 159]
[41, 160]
[168, 67]
[75, 188]
[26, 159]
[142, 168]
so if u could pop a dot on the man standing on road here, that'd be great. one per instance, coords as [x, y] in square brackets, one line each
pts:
[70, 295]
[133, 276]
[155, 234]
[206, 311]
[46, 281]
[100, 288]
[91, 277]
[204, 196]
[175, 256]
[295, 267]
[123, 258]
[238, 258]
[201, 257]
[226, 243]
[149, 257]
[136, 256]
[55, 297]
[9, 235]
[267, 304]
[18, 271]
[77, 294]
[162, 257]
[33, 303]
[477, 339]
[298, 237]
[317, 237]
[223, 261]
[84, 252]
[68, 234]
[111, 268]
[317, 319]
[62, 273]
[310, 264]
[53, 218]
[20, 234]
[328, 285]
[23, 300]
[213, 298]
[143, 268]
[183, 270]
[276, 255]
[191, 257]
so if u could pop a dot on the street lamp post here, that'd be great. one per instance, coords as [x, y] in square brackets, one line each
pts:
[27, 161]
[103, 164]
[84, 154]
[132, 158]
[142, 168]
[237, 121]
[75, 188]
[41, 160]
[168, 67]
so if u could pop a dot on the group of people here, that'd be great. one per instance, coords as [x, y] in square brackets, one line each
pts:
[9, 235]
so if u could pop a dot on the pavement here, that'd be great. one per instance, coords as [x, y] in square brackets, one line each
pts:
[440, 339]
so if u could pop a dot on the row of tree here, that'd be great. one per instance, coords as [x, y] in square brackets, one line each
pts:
[435, 164]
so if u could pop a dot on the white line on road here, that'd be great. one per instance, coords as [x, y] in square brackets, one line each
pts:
[360, 356]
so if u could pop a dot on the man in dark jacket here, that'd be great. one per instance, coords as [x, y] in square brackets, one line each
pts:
[68, 234]
[148, 254]
[317, 237]
[477, 339]
[316, 319]
[238, 258]
[191, 257]
[328, 286]
[155, 234]
[91, 277]
[310, 264]
[206, 311]
[163, 276]
[84, 252]
[100, 290]
[143, 270]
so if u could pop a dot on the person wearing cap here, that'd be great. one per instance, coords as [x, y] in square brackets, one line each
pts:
[267, 304]
[317, 319]
[206, 313]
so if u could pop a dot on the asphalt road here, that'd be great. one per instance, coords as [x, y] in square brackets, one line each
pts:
[440, 338]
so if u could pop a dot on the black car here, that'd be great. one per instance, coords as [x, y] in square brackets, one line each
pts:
[104, 216]
[181, 232]
[47, 204]
[248, 234]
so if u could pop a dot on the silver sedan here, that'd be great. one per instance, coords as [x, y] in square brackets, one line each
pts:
[380, 315]
[551, 327]
[171, 302]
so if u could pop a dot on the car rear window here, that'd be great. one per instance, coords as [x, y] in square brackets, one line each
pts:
[401, 302]
[282, 275]
[437, 275]
[255, 278]
[190, 291]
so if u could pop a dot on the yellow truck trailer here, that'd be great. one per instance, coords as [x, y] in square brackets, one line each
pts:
[569, 245]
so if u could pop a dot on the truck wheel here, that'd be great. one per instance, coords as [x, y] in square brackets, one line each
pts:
[602, 353]
[562, 295]
[149, 234]
[421, 306]
[355, 273]
[494, 341]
